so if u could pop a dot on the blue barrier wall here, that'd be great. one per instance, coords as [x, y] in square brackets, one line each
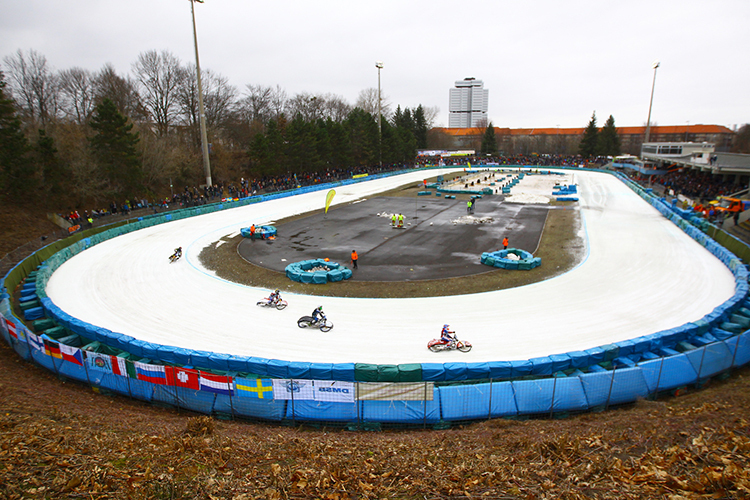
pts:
[575, 381]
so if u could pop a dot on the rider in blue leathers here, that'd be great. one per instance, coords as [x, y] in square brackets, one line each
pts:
[318, 314]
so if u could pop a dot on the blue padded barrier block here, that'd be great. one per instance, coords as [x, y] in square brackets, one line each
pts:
[237, 363]
[266, 409]
[402, 411]
[343, 372]
[623, 362]
[731, 327]
[150, 350]
[533, 396]
[456, 371]
[165, 353]
[542, 365]
[521, 368]
[476, 371]
[701, 326]
[503, 401]
[666, 351]
[201, 360]
[498, 369]
[278, 368]
[720, 334]
[629, 385]
[569, 394]
[219, 361]
[299, 369]
[649, 355]
[465, 402]
[258, 366]
[626, 347]
[560, 362]
[125, 343]
[702, 340]
[322, 411]
[596, 354]
[182, 357]
[318, 371]
[33, 313]
[595, 368]
[611, 351]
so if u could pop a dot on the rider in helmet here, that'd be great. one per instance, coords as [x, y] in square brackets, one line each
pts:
[318, 311]
[275, 297]
[178, 252]
[447, 335]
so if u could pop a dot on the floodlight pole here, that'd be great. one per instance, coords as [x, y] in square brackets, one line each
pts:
[648, 121]
[379, 65]
[201, 109]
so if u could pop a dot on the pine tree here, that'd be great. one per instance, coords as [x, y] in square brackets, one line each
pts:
[609, 141]
[114, 147]
[489, 143]
[420, 128]
[17, 178]
[54, 174]
[589, 143]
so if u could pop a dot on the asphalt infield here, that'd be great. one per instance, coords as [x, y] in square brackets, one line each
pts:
[433, 244]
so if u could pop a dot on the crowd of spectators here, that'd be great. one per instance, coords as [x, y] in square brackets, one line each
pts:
[699, 186]
[531, 160]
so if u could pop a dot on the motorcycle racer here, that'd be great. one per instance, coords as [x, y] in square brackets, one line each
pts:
[318, 311]
[446, 335]
[275, 297]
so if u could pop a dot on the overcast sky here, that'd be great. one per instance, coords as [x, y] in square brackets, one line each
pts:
[546, 63]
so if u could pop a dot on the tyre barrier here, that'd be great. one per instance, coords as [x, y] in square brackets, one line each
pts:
[363, 395]
[525, 260]
[261, 232]
[317, 271]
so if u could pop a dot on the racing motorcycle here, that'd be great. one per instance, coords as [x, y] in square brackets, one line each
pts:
[174, 257]
[437, 345]
[309, 322]
[266, 302]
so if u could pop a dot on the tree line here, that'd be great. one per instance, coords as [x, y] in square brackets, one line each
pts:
[76, 136]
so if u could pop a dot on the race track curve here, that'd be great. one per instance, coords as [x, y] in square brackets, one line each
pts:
[641, 275]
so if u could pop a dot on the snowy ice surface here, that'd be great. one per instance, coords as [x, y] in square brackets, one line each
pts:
[641, 275]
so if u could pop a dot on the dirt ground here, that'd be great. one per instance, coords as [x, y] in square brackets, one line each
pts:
[58, 439]
[561, 249]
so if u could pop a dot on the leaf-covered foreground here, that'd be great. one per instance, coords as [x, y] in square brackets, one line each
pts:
[60, 440]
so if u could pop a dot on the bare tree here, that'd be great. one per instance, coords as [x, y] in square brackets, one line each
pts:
[430, 115]
[257, 104]
[308, 105]
[336, 108]
[159, 77]
[368, 101]
[33, 85]
[121, 91]
[219, 98]
[279, 101]
[77, 94]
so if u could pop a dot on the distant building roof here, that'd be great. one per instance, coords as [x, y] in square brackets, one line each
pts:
[659, 129]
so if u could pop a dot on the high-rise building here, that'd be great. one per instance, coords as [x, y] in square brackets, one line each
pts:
[468, 104]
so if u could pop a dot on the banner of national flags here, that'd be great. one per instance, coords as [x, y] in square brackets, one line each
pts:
[258, 388]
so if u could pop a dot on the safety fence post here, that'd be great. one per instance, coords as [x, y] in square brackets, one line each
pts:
[658, 378]
[611, 384]
[552, 403]
[489, 409]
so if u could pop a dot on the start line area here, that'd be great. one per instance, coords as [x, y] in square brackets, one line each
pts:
[642, 274]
